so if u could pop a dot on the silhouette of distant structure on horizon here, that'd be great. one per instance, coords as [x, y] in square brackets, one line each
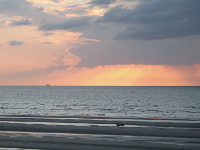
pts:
[48, 85]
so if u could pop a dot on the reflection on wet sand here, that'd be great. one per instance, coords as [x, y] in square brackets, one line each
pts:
[54, 132]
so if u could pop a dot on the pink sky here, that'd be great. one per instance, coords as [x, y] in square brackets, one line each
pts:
[100, 42]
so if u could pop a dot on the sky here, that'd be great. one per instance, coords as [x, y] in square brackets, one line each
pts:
[100, 42]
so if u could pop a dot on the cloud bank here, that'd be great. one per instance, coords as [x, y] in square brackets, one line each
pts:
[149, 32]
[149, 20]
[75, 23]
[145, 34]
[101, 2]
[155, 20]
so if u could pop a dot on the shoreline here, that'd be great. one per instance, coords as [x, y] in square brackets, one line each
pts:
[100, 117]
[84, 132]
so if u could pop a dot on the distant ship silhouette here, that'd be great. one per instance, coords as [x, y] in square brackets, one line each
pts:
[48, 85]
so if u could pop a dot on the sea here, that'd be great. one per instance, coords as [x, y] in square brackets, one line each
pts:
[110, 101]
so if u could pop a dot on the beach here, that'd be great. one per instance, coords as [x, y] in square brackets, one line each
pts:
[84, 132]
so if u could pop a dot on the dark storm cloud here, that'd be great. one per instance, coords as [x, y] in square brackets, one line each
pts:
[157, 19]
[69, 24]
[15, 43]
[21, 23]
[101, 2]
[145, 34]
[14, 7]
[166, 52]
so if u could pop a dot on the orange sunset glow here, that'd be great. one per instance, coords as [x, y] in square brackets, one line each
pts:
[117, 75]
[98, 43]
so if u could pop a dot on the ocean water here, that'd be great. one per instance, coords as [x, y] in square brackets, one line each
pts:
[140, 102]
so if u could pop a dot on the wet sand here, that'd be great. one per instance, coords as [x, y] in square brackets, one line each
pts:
[79, 132]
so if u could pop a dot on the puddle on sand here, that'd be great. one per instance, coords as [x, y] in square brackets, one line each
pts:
[70, 124]
[165, 140]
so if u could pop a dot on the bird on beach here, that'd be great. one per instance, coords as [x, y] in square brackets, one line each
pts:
[120, 124]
